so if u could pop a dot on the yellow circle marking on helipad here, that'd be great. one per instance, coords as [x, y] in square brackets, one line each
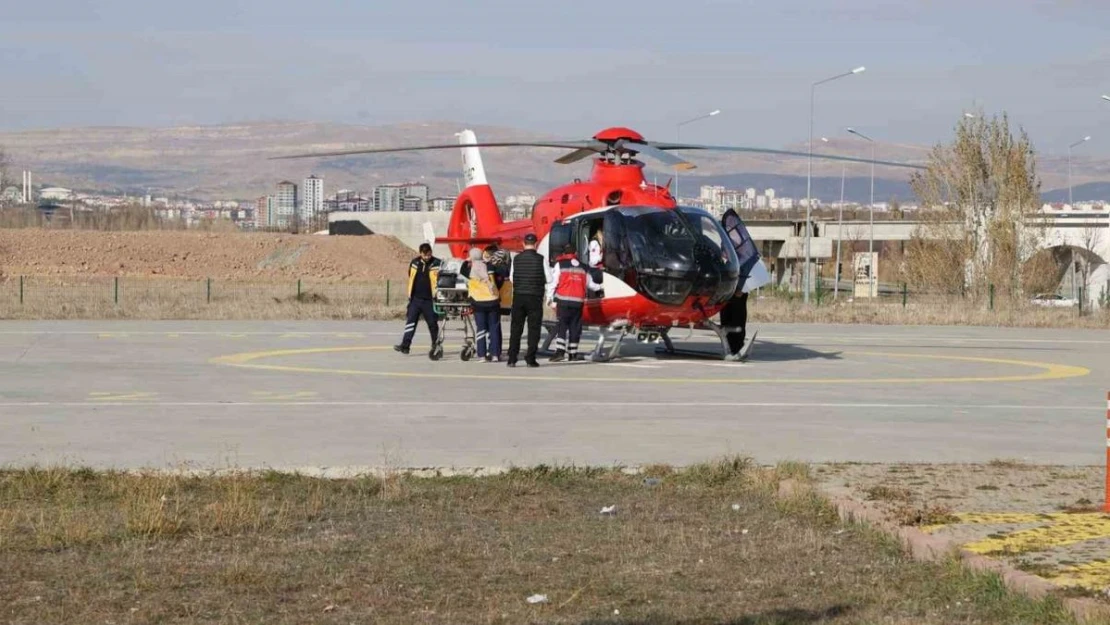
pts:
[1044, 370]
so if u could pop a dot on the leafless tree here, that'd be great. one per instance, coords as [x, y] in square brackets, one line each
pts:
[974, 195]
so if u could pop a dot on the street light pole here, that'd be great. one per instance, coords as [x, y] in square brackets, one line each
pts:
[872, 290]
[839, 229]
[678, 139]
[809, 173]
[1084, 139]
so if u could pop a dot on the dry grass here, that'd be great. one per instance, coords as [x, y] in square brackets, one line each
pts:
[708, 544]
[922, 310]
[58, 297]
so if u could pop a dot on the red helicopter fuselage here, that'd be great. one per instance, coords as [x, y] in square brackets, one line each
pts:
[643, 293]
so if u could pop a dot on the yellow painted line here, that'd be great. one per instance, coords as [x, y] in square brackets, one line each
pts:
[100, 396]
[272, 396]
[1061, 530]
[1046, 371]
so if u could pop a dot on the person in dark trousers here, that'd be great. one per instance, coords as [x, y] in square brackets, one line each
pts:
[735, 315]
[567, 292]
[486, 304]
[423, 274]
[529, 279]
[501, 268]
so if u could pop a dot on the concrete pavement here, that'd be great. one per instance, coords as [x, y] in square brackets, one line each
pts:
[333, 394]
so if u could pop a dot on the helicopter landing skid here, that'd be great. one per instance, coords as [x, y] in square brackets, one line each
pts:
[722, 333]
[615, 331]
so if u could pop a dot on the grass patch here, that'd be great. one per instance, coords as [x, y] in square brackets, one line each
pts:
[713, 543]
[883, 492]
[1008, 463]
[923, 514]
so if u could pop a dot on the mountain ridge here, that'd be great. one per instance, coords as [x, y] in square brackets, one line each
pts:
[231, 161]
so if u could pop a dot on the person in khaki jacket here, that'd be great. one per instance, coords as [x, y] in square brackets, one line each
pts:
[486, 302]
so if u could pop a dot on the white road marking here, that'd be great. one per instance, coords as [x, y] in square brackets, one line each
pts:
[542, 402]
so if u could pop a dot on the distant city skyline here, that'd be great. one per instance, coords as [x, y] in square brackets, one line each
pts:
[132, 63]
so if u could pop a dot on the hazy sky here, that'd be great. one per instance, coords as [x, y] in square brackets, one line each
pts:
[564, 67]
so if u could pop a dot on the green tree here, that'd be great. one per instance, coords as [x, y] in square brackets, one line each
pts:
[974, 195]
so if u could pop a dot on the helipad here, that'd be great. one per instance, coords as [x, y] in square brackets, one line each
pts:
[335, 394]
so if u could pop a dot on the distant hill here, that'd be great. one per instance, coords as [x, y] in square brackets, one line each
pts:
[231, 161]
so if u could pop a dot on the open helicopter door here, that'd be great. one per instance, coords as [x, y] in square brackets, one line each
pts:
[753, 274]
[561, 235]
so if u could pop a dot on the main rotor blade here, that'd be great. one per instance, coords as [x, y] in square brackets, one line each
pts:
[575, 156]
[731, 148]
[566, 145]
[659, 155]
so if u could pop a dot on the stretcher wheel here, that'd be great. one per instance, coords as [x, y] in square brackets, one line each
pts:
[436, 353]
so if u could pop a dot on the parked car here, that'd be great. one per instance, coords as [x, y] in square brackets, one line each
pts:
[1052, 299]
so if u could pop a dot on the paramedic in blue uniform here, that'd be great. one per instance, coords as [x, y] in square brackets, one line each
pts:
[567, 293]
[423, 273]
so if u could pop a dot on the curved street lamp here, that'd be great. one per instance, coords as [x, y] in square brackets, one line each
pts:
[872, 290]
[809, 171]
[678, 137]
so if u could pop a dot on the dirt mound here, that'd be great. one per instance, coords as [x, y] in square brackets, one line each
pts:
[233, 255]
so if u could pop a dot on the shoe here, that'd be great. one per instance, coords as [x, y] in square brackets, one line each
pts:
[401, 348]
[558, 357]
[496, 359]
[533, 363]
[511, 363]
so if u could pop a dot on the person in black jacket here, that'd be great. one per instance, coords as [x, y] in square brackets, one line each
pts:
[423, 274]
[529, 278]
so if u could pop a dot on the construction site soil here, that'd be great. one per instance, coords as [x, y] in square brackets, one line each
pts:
[220, 255]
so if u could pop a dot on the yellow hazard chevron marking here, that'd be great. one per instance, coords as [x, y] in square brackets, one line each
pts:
[1057, 529]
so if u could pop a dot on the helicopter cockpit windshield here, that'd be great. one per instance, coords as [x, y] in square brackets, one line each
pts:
[669, 255]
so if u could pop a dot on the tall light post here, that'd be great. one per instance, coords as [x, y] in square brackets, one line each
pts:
[678, 139]
[839, 228]
[1083, 140]
[809, 171]
[872, 291]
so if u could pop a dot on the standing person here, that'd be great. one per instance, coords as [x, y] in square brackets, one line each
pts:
[500, 264]
[423, 273]
[529, 280]
[482, 289]
[567, 293]
[735, 315]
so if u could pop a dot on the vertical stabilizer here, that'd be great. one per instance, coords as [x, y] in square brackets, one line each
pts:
[473, 172]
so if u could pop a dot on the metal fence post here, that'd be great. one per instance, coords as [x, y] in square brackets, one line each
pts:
[208, 296]
[992, 297]
[905, 294]
[387, 292]
[298, 288]
[21, 290]
[115, 290]
[1080, 301]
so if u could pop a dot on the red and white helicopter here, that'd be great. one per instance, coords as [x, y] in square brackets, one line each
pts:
[665, 266]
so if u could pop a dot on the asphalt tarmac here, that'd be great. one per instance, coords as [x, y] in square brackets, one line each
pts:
[334, 395]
